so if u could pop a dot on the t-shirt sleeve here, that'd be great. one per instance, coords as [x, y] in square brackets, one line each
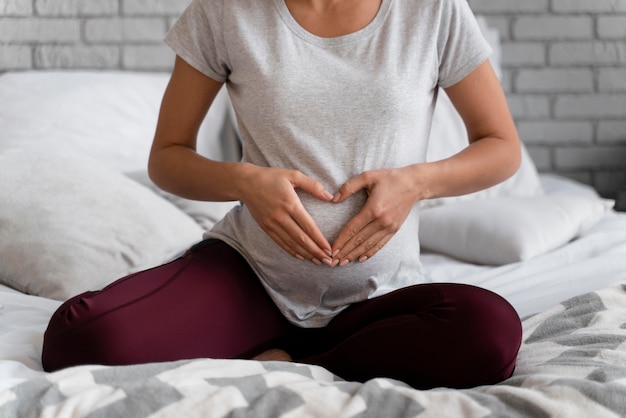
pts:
[197, 37]
[461, 45]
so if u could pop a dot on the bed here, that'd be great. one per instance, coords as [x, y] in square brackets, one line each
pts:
[77, 210]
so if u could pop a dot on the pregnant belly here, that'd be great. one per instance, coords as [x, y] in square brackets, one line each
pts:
[304, 280]
[330, 217]
[303, 290]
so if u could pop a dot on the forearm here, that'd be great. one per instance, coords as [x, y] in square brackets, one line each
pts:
[181, 171]
[484, 163]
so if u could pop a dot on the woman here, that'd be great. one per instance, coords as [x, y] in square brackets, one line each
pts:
[320, 262]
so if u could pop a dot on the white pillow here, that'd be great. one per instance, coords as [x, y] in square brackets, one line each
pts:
[108, 115]
[206, 214]
[69, 224]
[558, 184]
[508, 229]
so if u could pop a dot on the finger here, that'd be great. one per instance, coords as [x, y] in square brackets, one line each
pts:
[298, 231]
[322, 249]
[293, 250]
[284, 238]
[286, 232]
[364, 234]
[308, 234]
[315, 188]
[350, 187]
[351, 230]
[367, 248]
[297, 228]
[361, 241]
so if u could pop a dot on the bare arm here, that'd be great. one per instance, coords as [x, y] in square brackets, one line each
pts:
[269, 193]
[174, 164]
[493, 155]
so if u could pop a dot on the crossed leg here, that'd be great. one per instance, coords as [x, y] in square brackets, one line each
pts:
[209, 303]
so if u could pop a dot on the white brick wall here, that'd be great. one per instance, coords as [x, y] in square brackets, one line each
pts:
[16, 8]
[110, 34]
[564, 65]
[565, 77]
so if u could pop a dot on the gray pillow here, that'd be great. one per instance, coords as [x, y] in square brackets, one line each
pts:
[69, 224]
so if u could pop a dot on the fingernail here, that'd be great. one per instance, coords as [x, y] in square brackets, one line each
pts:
[316, 262]
[344, 262]
[363, 259]
[335, 262]
[333, 255]
[328, 262]
[328, 253]
[299, 257]
[336, 197]
[328, 195]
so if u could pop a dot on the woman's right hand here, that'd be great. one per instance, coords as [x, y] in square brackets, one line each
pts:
[270, 195]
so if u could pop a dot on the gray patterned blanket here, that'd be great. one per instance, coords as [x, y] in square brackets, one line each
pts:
[572, 364]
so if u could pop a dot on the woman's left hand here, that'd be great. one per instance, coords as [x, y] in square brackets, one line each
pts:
[391, 196]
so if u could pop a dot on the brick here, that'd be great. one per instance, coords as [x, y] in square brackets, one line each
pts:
[27, 30]
[150, 30]
[98, 7]
[14, 57]
[587, 6]
[612, 27]
[601, 106]
[596, 157]
[541, 156]
[525, 107]
[56, 7]
[588, 53]
[170, 22]
[501, 24]
[612, 131]
[16, 7]
[508, 6]
[125, 29]
[154, 7]
[555, 81]
[515, 54]
[146, 57]
[612, 80]
[62, 56]
[553, 28]
[556, 132]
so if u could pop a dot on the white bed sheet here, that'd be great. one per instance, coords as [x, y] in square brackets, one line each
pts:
[594, 261]
[23, 320]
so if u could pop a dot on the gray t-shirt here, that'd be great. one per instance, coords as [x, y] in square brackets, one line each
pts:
[331, 108]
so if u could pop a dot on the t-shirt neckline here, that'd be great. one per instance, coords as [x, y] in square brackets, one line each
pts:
[293, 24]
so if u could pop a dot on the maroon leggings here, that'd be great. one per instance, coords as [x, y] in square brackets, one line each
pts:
[209, 303]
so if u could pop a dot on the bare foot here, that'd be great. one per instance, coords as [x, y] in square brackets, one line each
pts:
[273, 354]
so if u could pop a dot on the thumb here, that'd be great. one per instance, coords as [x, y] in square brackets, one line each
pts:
[350, 187]
[315, 188]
